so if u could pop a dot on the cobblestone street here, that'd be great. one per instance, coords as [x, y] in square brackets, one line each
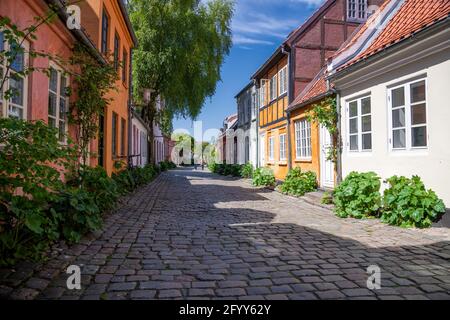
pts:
[195, 235]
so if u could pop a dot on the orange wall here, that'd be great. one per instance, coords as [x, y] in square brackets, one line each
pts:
[119, 105]
[314, 163]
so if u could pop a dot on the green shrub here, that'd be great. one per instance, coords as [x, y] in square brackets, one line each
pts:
[164, 166]
[408, 204]
[298, 183]
[235, 170]
[263, 177]
[78, 213]
[31, 162]
[247, 171]
[358, 195]
[213, 167]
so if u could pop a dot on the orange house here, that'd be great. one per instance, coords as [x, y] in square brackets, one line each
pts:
[310, 142]
[108, 26]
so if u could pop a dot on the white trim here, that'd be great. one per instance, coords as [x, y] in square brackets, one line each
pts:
[303, 145]
[282, 78]
[271, 148]
[283, 156]
[59, 96]
[273, 90]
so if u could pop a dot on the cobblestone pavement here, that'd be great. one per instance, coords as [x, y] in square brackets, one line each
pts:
[195, 235]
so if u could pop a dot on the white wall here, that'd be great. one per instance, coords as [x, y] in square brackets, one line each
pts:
[433, 163]
[139, 145]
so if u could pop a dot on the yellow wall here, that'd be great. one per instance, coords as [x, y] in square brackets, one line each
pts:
[119, 105]
[314, 163]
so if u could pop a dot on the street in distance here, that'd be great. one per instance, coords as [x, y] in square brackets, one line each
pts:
[229, 310]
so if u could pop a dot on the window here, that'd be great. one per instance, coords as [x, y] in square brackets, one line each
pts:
[273, 88]
[58, 102]
[254, 105]
[114, 134]
[283, 81]
[105, 32]
[122, 137]
[408, 116]
[116, 52]
[271, 148]
[124, 66]
[16, 82]
[360, 125]
[303, 139]
[283, 147]
[263, 92]
[357, 9]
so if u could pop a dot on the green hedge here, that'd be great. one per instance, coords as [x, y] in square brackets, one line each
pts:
[298, 183]
[263, 177]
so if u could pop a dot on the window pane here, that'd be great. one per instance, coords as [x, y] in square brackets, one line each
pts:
[354, 143]
[353, 109]
[62, 108]
[17, 64]
[365, 106]
[398, 97]
[2, 46]
[418, 114]
[399, 138]
[398, 118]
[53, 80]
[51, 123]
[52, 104]
[418, 92]
[419, 137]
[354, 125]
[16, 85]
[366, 123]
[367, 141]
[15, 112]
[62, 129]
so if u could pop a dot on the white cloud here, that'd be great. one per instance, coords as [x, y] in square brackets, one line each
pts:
[240, 39]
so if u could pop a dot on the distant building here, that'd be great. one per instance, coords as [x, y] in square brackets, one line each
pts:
[227, 144]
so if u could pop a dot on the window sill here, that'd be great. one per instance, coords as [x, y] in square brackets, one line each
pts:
[282, 163]
[304, 160]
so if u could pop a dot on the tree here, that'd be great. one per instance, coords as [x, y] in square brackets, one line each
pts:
[182, 46]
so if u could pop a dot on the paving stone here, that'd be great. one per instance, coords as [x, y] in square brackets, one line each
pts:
[122, 286]
[330, 294]
[143, 294]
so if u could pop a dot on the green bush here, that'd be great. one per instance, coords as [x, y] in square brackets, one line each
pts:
[408, 204]
[298, 183]
[263, 177]
[235, 170]
[327, 198]
[247, 171]
[31, 162]
[358, 196]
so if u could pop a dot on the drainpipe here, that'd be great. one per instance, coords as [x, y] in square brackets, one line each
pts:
[339, 141]
[288, 120]
[257, 164]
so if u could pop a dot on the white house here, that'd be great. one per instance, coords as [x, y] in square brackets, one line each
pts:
[139, 141]
[393, 86]
[246, 132]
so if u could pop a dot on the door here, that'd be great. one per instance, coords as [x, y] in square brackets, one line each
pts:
[326, 166]
[262, 151]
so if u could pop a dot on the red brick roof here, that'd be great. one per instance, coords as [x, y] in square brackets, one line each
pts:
[316, 88]
[412, 17]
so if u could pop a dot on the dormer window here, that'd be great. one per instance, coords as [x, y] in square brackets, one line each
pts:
[357, 10]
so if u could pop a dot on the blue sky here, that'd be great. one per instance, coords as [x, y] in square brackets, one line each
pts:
[259, 27]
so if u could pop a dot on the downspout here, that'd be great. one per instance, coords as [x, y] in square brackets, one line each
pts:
[257, 164]
[339, 139]
[288, 115]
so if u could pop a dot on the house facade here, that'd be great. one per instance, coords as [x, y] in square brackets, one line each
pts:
[227, 141]
[109, 28]
[139, 141]
[392, 87]
[287, 73]
[246, 132]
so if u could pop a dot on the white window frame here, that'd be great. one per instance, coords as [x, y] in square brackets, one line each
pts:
[273, 88]
[283, 80]
[408, 116]
[303, 145]
[263, 93]
[359, 7]
[271, 148]
[6, 104]
[359, 117]
[283, 156]
[60, 96]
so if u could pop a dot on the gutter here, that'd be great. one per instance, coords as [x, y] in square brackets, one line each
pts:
[127, 21]
[288, 120]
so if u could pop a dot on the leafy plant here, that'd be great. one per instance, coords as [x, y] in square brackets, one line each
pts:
[298, 183]
[247, 171]
[408, 204]
[263, 177]
[32, 161]
[327, 198]
[358, 196]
